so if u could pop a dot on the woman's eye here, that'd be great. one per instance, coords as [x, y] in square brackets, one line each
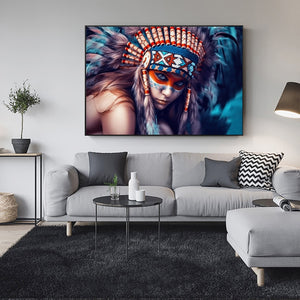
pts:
[161, 76]
[180, 83]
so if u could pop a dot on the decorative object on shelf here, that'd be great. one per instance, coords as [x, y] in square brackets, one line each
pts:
[114, 189]
[140, 195]
[21, 145]
[20, 99]
[8, 208]
[133, 186]
[289, 102]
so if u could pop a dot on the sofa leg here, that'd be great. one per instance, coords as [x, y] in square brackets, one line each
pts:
[69, 228]
[260, 272]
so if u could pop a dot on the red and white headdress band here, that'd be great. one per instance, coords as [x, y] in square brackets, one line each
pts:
[167, 49]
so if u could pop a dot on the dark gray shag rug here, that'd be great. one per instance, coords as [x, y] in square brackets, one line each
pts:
[195, 262]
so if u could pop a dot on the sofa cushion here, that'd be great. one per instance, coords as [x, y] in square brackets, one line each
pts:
[81, 163]
[215, 201]
[81, 202]
[286, 181]
[188, 168]
[152, 168]
[59, 183]
[221, 173]
[256, 169]
[265, 231]
[103, 167]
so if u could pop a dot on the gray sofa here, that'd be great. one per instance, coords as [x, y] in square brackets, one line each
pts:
[175, 177]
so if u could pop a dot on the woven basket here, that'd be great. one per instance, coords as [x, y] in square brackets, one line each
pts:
[8, 208]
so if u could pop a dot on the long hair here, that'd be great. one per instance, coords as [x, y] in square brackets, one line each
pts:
[146, 117]
[104, 53]
[118, 82]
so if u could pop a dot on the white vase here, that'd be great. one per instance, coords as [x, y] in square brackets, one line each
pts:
[133, 186]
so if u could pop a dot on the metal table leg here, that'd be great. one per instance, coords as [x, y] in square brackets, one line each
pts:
[127, 231]
[158, 232]
[35, 191]
[41, 186]
[95, 229]
[36, 220]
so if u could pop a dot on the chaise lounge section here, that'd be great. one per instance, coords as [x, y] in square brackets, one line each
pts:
[264, 237]
[268, 236]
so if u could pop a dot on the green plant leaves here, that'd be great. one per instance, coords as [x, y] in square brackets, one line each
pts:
[21, 98]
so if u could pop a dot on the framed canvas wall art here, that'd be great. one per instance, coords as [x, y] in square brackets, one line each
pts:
[164, 80]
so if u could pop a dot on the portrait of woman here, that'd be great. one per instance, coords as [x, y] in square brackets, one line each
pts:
[163, 80]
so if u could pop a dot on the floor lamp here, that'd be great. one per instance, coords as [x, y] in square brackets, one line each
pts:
[289, 102]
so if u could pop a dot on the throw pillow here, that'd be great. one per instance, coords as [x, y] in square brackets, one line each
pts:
[103, 167]
[257, 169]
[222, 173]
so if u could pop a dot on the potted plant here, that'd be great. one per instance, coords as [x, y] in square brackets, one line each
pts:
[20, 99]
[114, 188]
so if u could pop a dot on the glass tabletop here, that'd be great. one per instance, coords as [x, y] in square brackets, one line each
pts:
[125, 202]
[264, 203]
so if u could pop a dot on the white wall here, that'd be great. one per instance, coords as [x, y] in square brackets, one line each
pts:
[44, 42]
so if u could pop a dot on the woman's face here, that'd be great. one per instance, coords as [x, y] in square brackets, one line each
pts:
[165, 88]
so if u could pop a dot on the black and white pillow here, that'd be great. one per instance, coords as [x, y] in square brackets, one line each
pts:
[256, 169]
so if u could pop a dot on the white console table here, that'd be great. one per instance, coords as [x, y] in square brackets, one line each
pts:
[37, 171]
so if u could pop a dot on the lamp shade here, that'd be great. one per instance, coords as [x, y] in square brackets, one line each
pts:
[289, 102]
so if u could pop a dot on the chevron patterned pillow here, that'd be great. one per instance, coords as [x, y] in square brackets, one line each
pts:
[256, 169]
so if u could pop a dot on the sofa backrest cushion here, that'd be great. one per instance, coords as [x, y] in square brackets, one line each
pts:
[81, 163]
[154, 169]
[189, 168]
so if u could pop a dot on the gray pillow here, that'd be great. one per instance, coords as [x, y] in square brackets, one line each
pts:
[222, 173]
[103, 167]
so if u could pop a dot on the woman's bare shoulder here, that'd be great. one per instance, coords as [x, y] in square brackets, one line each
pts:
[107, 101]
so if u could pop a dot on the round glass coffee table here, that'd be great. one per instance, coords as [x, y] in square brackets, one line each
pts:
[124, 202]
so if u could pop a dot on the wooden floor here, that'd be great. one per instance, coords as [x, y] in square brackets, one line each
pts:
[11, 233]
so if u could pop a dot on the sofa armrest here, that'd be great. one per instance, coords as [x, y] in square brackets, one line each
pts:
[286, 182]
[59, 185]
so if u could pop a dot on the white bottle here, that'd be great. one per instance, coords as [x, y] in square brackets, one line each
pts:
[133, 186]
